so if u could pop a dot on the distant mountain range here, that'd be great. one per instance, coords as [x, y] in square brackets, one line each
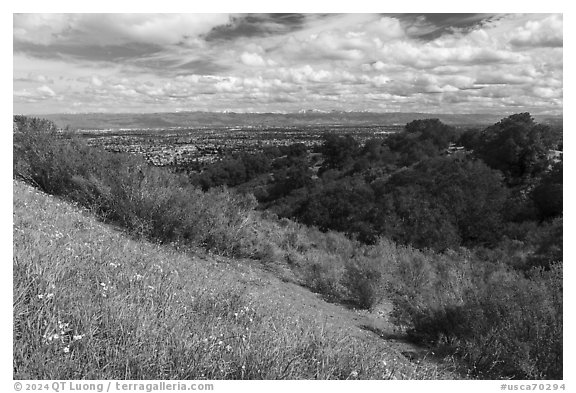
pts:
[102, 121]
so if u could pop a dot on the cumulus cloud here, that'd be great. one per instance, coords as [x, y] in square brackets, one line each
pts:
[46, 91]
[96, 81]
[34, 95]
[32, 77]
[252, 59]
[113, 29]
[546, 32]
[428, 63]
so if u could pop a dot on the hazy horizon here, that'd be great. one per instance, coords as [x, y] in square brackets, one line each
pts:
[286, 63]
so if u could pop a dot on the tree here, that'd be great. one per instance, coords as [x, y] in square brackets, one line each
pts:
[343, 205]
[338, 151]
[433, 130]
[548, 194]
[470, 138]
[517, 146]
[421, 139]
[447, 193]
[287, 179]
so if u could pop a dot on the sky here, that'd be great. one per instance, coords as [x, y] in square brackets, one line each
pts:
[431, 63]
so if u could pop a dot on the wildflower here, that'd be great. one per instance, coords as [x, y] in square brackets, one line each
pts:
[113, 264]
[63, 325]
[78, 337]
[40, 296]
[49, 295]
[66, 349]
[220, 342]
[228, 347]
[354, 374]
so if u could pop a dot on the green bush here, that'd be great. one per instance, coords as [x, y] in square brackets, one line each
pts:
[363, 280]
[147, 201]
[498, 322]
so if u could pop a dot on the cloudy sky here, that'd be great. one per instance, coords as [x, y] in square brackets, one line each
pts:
[435, 63]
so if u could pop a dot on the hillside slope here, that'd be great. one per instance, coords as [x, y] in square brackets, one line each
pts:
[91, 303]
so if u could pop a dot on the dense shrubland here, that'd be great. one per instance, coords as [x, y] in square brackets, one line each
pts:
[467, 247]
[431, 186]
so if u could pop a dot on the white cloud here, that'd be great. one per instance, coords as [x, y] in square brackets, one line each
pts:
[41, 93]
[46, 91]
[535, 33]
[355, 61]
[40, 28]
[547, 92]
[96, 81]
[113, 29]
[252, 59]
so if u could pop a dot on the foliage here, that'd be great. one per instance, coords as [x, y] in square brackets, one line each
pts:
[463, 194]
[470, 138]
[549, 246]
[344, 207]
[517, 146]
[338, 151]
[547, 195]
[421, 139]
[147, 201]
[497, 322]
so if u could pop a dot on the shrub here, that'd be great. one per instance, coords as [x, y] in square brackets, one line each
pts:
[497, 321]
[148, 201]
[322, 273]
[363, 281]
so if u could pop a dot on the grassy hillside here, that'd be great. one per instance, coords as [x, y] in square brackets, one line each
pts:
[91, 303]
